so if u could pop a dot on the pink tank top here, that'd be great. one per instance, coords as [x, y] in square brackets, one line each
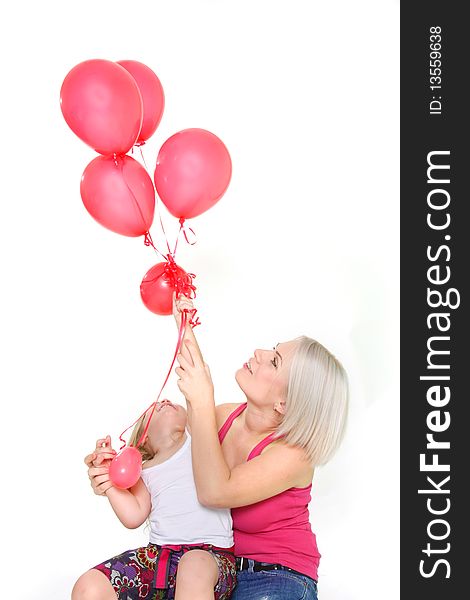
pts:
[275, 530]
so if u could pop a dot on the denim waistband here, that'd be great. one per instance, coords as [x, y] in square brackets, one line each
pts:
[253, 566]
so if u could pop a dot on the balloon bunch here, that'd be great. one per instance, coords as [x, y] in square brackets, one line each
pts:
[112, 107]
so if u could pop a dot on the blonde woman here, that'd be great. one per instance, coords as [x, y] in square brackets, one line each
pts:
[258, 457]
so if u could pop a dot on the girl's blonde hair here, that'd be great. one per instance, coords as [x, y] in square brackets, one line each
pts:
[137, 432]
[316, 403]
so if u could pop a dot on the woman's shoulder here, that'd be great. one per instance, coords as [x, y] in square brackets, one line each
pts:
[292, 457]
[223, 411]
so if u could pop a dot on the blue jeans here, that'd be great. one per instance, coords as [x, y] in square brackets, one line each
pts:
[273, 585]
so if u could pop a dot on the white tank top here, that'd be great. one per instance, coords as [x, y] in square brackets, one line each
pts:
[176, 516]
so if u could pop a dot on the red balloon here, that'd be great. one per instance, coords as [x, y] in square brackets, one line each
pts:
[119, 194]
[158, 285]
[153, 98]
[125, 468]
[192, 173]
[101, 103]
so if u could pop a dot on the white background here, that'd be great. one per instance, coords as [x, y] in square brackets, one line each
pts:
[305, 241]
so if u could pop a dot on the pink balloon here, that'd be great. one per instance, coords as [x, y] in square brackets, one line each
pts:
[192, 173]
[119, 194]
[125, 468]
[102, 104]
[158, 285]
[153, 98]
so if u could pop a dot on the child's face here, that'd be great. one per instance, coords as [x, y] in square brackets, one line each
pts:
[167, 417]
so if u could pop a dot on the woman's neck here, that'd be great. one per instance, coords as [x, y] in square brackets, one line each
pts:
[258, 421]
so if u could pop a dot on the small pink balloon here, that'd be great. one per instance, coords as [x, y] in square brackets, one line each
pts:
[119, 194]
[158, 285]
[192, 173]
[125, 468]
[153, 98]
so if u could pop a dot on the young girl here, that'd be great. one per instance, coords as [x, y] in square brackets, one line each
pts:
[190, 554]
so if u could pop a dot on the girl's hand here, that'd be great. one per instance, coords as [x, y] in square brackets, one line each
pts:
[179, 305]
[195, 380]
[98, 466]
[102, 452]
[99, 480]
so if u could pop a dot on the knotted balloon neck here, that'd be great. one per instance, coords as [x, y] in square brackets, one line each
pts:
[180, 281]
[184, 229]
[115, 157]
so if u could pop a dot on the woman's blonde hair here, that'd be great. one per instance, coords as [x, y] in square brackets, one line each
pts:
[137, 432]
[316, 403]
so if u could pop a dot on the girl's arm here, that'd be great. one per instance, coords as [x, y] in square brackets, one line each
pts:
[131, 506]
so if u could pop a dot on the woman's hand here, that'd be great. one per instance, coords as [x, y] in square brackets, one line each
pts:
[195, 380]
[98, 466]
[179, 305]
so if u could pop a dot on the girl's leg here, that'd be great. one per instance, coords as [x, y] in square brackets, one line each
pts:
[197, 576]
[93, 585]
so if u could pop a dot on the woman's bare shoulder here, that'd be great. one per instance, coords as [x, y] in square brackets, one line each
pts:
[223, 411]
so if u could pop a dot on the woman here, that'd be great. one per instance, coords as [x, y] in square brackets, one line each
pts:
[258, 457]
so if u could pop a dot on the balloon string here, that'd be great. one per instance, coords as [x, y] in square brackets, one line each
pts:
[132, 425]
[180, 283]
[193, 320]
[143, 159]
[184, 229]
[149, 242]
[121, 167]
[148, 239]
[182, 329]
[156, 203]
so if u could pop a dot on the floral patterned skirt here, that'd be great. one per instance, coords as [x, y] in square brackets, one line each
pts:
[149, 573]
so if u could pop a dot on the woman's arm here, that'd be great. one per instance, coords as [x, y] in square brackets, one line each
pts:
[179, 305]
[277, 469]
[131, 506]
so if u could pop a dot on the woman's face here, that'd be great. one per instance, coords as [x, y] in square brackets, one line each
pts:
[264, 377]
